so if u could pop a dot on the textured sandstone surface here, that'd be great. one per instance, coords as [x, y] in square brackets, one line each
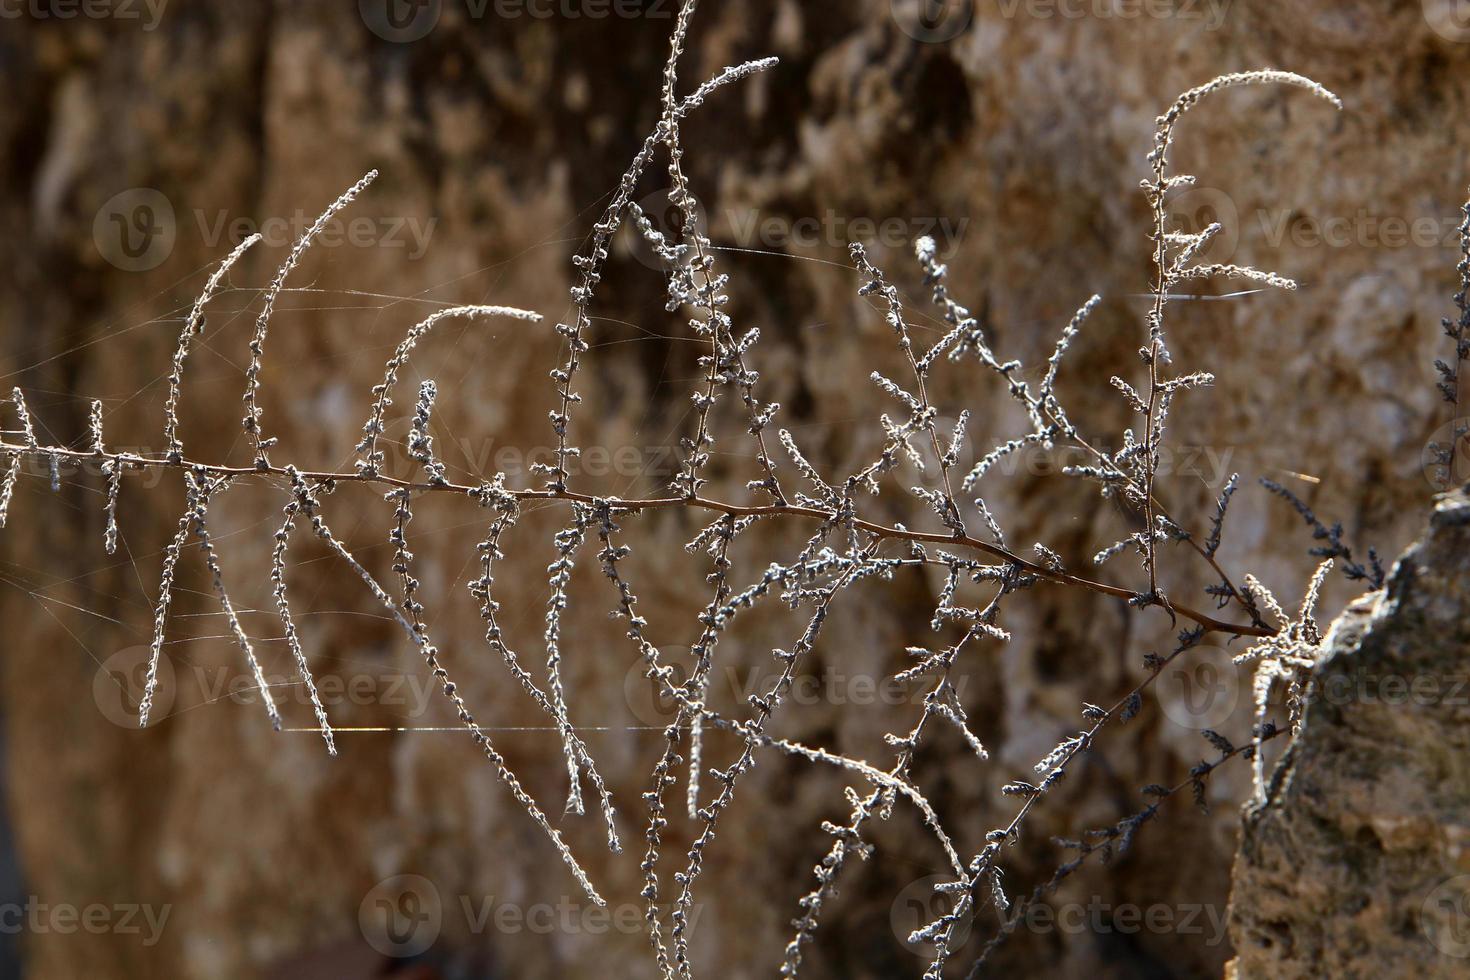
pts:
[1025, 131]
[1355, 864]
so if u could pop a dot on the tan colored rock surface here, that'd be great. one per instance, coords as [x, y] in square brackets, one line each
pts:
[1355, 864]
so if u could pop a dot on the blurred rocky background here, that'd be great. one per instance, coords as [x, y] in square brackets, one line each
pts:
[139, 142]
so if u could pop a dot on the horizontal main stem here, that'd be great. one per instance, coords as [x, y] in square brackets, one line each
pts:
[135, 461]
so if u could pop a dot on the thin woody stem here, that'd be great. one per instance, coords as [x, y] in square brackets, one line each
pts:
[134, 461]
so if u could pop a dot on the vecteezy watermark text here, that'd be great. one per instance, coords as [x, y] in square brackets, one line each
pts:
[122, 678]
[137, 229]
[922, 902]
[149, 12]
[407, 232]
[652, 703]
[1211, 13]
[403, 916]
[97, 918]
[406, 21]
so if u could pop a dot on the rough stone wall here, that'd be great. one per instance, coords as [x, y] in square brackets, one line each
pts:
[1027, 127]
[1355, 863]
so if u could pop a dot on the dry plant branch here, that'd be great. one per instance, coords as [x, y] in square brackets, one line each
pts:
[834, 545]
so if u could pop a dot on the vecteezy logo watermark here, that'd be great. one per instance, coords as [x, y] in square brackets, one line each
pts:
[574, 9]
[751, 229]
[1101, 918]
[406, 21]
[401, 916]
[1447, 456]
[135, 230]
[1199, 689]
[150, 12]
[1211, 12]
[486, 456]
[1192, 210]
[408, 232]
[1444, 918]
[89, 467]
[933, 21]
[1450, 19]
[1362, 229]
[922, 903]
[1209, 465]
[138, 229]
[566, 916]
[664, 218]
[758, 229]
[654, 704]
[1362, 686]
[120, 681]
[647, 697]
[65, 919]
[400, 21]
